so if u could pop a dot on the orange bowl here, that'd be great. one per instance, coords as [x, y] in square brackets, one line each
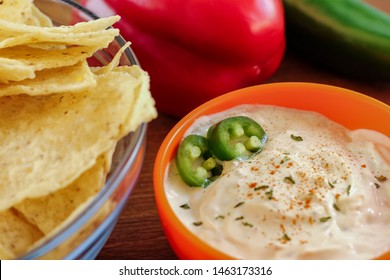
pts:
[348, 108]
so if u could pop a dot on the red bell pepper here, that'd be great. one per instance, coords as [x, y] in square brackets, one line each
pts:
[195, 50]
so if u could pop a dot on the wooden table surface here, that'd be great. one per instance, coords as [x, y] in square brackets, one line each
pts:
[138, 234]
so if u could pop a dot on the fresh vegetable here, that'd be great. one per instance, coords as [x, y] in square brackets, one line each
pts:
[236, 137]
[350, 36]
[195, 50]
[193, 168]
[198, 158]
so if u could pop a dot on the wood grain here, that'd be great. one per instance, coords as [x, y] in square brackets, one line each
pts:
[138, 234]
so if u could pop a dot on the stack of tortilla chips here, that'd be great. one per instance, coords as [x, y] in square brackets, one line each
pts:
[60, 120]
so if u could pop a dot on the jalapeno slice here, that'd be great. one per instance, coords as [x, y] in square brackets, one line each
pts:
[236, 137]
[195, 164]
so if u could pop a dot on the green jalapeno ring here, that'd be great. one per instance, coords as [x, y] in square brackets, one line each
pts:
[196, 166]
[236, 137]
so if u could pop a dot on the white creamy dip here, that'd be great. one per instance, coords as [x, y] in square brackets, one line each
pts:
[325, 197]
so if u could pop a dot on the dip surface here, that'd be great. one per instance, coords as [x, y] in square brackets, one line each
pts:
[324, 197]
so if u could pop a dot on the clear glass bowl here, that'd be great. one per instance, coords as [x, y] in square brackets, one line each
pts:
[87, 234]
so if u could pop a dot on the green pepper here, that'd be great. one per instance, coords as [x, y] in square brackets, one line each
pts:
[348, 36]
[195, 164]
[236, 137]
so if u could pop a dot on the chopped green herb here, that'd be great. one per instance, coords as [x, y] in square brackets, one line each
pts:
[286, 158]
[240, 218]
[325, 219]
[381, 178]
[349, 189]
[286, 237]
[269, 194]
[296, 138]
[185, 206]
[336, 207]
[377, 185]
[220, 217]
[289, 180]
[247, 224]
[263, 187]
[331, 185]
[239, 204]
[197, 223]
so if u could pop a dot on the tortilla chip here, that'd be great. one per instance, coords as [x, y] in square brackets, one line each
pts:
[48, 141]
[143, 109]
[50, 211]
[57, 80]
[14, 70]
[13, 29]
[39, 58]
[59, 123]
[5, 254]
[63, 249]
[17, 234]
[38, 18]
[17, 11]
[81, 39]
